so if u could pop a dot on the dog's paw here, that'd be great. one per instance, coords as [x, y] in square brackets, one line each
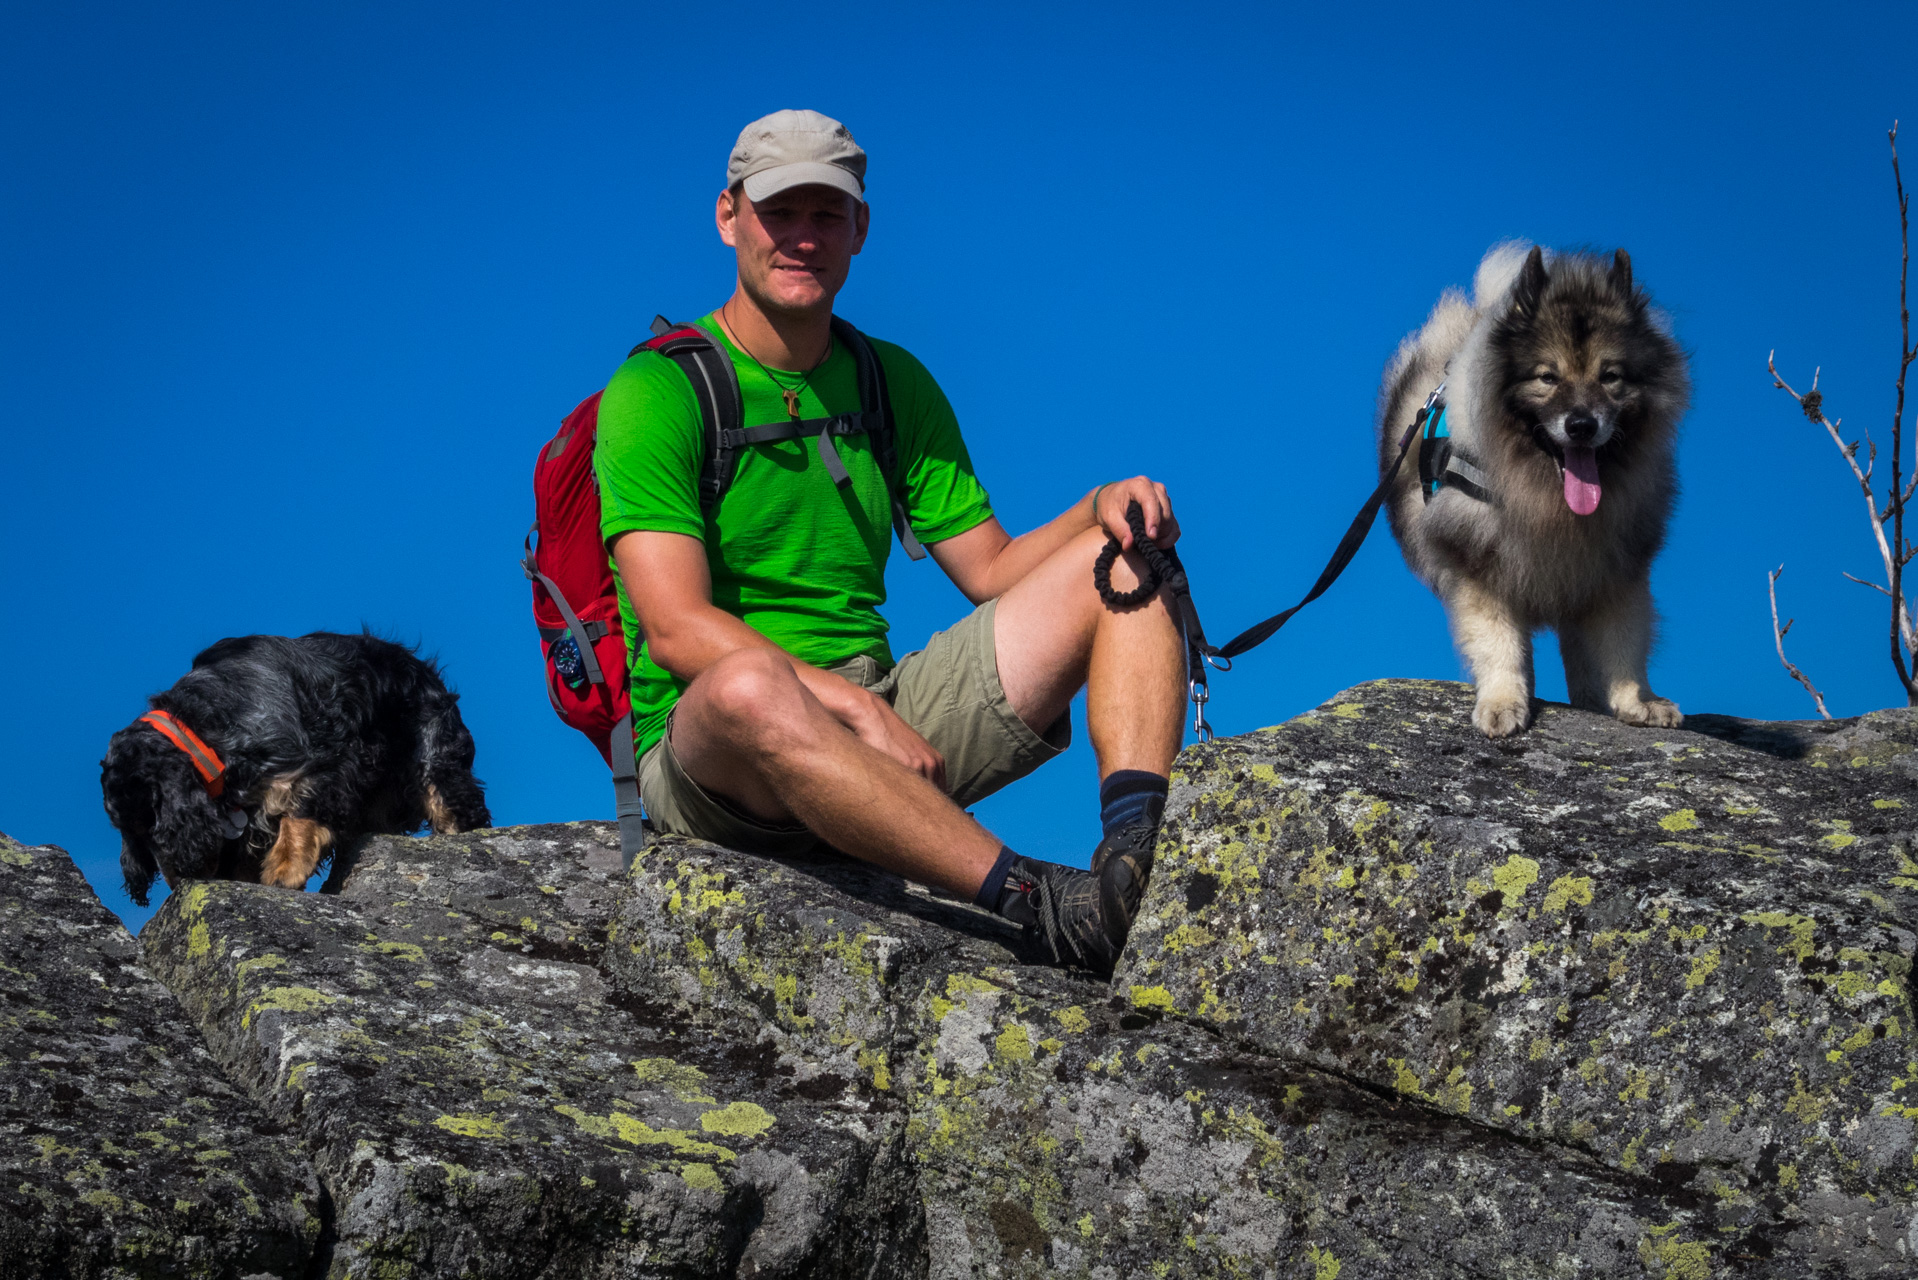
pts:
[285, 876]
[1501, 717]
[1649, 713]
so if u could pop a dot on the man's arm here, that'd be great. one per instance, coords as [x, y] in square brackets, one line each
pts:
[671, 589]
[985, 561]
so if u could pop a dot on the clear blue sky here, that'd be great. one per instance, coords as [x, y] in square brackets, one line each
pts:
[293, 293]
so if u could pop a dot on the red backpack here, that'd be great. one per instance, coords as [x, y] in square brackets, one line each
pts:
[575, 602]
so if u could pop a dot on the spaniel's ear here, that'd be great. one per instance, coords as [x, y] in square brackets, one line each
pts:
[1531, 283]
[129, 794]
[187, 831]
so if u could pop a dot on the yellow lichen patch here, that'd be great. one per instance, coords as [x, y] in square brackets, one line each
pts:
[1348, 710]
[1567, 890]
[1073, 1019]
[287, 1000]
[1403, 1078]
[636, 1132]
[1187, 936]
[1703, 967]
[1153, 998]
[1806, 1106]
[1514, 877]
[683, 1083]
[1802, 928]
[1840, 836]
[738, 1120]
[1324, 1265]
[258, 964]
[702, 1177]
[401, 950]
[874, 1062]
[469, 1125]
[1680, 820]
[1014, 1044]
[1681, 1261]
[1887, 804]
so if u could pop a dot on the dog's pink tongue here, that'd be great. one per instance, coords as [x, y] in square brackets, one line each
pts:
[1581, 479]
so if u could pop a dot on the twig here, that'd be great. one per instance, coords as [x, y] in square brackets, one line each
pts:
[1864, 583]
[1895, 551]
[1813, 403]
[1778, 638]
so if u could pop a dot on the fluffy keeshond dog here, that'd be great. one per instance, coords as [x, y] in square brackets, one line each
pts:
[1548, 479]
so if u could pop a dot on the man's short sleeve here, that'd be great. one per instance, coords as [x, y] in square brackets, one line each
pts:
[943, 497]
[649, 452]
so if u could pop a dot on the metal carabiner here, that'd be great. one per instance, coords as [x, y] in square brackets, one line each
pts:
[1200, 696]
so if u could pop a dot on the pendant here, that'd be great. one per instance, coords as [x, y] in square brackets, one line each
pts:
[792, 401]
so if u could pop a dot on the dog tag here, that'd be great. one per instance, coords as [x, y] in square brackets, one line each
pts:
[233, 824]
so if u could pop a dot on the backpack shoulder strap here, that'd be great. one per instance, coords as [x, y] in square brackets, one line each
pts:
[877, 402]
[716, 388]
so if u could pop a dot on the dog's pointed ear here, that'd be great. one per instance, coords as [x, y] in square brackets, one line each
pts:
[1531, 283]
[1621, 276]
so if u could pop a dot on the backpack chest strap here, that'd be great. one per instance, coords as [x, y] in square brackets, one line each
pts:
[865, 422]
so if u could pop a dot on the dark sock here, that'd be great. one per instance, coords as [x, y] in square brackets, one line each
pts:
[993, 888]
[1126, 795]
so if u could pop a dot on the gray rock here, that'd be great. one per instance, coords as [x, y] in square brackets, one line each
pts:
[123, 1152]
[1401, 1002]
[1055, 1129]
[1686, 957]
[479, 1103]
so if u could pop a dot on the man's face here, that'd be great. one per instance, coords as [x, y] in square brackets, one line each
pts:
[795, 247]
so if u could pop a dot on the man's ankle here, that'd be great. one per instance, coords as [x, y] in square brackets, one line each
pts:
[1129, 795]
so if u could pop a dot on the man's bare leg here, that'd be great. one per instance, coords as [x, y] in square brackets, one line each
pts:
[1055, 636]
[747, 728]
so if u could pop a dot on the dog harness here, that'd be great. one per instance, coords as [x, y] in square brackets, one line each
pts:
[1443, 464]
[206, 762]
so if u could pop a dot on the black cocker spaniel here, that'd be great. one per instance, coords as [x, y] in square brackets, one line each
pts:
[274, 751]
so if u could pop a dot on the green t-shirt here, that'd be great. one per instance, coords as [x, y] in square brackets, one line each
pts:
[792, 555]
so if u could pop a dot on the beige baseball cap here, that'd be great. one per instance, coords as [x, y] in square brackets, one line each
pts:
[796, 149]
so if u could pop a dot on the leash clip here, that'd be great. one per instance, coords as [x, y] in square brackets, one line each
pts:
[1200, 696]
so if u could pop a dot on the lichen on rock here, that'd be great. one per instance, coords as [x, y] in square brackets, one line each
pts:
[476, 1099]
[1401, 1002]
[123, 1151]
[1686, 954]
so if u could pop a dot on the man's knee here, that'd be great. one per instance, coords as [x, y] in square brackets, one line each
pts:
[747, 693]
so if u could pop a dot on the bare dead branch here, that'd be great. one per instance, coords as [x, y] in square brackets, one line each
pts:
[1895, 550]
[1778, 639]
[1864, 583]
[1814, 409]
[1901, 640]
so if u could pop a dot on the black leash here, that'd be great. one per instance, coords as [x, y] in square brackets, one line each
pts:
[1163, 569]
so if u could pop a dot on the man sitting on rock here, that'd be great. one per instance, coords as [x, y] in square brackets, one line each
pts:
[768, 711]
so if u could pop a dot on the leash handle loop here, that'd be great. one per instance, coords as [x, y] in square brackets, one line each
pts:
[1163, 569]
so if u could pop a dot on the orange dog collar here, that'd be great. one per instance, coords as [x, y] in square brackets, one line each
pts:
[206, 762]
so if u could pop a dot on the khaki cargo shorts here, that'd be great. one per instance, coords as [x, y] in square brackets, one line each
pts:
[949, 692]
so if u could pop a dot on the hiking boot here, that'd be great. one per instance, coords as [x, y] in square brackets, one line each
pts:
[1080, 917]
[1133, 843]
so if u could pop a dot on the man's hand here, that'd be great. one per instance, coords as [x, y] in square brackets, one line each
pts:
[875, 723]
[1109, 508]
